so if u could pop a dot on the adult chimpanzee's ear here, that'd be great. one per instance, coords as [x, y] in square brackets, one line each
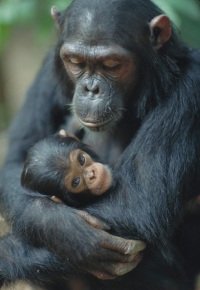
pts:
[56, 16]
[161, 30]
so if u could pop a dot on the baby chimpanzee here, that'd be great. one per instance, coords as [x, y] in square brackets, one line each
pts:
[66, 170]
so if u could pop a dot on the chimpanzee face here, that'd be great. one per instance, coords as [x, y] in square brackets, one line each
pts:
[84, 174]
[101, 75]
[100, 54]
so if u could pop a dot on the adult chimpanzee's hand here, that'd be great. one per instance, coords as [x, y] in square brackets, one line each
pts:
[83, 240]
[108, 256]
[79, 239]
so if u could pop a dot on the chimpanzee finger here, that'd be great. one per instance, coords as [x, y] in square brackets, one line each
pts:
[102, 275]
[109, 256]
[112, 271]
[63, 133]
[56, 199]
[93, 221]
[123, 246]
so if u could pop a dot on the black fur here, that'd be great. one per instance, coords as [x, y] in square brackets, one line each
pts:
[157, 172]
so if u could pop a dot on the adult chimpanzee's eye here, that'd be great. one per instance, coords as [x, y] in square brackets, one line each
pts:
[76, 182]
[81, 160]
[111, 64]
[76, 61]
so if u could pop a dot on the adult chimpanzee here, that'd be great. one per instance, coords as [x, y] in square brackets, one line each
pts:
[134, 88]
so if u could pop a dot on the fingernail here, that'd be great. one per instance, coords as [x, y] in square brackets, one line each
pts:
[138, 257]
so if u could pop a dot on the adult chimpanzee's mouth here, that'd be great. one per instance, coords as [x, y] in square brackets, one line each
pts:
[95, 124]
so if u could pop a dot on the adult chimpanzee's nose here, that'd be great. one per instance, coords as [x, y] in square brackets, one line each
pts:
[92, 86]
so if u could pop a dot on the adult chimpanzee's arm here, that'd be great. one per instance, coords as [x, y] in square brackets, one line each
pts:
[21, 261]
[158, 173]
[69, 233]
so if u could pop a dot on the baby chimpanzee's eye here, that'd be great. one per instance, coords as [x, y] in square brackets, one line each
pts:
[81, 160]
[76, 182]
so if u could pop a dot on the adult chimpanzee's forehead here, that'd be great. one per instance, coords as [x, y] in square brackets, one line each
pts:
[110, 8]
[103, 20]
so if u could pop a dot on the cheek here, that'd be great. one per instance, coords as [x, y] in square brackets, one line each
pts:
[129, 78]
[71, 76]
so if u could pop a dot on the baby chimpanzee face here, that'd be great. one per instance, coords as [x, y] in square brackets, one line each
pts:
[84, 174]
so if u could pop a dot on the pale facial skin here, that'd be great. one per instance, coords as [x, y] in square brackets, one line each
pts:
[85, 174]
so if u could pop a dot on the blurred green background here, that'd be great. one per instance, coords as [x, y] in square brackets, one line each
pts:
[27, 32]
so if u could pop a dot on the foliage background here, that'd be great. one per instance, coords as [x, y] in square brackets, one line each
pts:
[34, 13]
